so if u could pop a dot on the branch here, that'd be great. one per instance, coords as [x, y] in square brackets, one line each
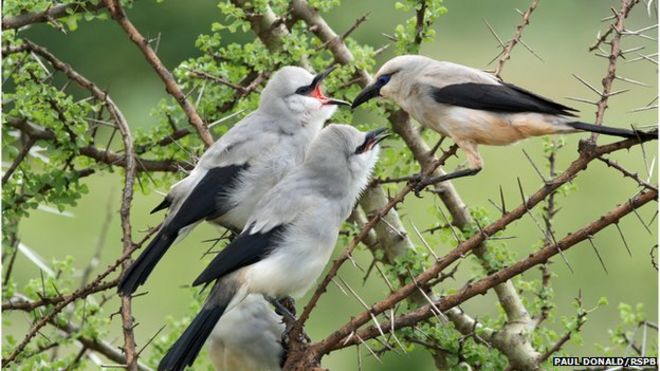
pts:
[78, 294]
[419, 26]
[21, 156]
[100, 155]
[615, 53]
[627, 173]
[50, 14]
[581, 320]
[483, 285]
[516, 37]
[266, 24]
[171, 86]
[98, 346]
[18, 303]
[588, 153]
[125, 215]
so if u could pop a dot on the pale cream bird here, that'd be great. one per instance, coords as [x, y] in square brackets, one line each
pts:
[473, 107]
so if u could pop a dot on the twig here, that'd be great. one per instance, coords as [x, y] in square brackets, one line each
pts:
[627, 173]
[19, 158]
[615, 53]
[50, 14]
[516, 37]
[171, 86]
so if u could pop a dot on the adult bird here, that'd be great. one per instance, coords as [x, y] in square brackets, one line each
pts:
[246, 162]
[473, 107]
[248, 338]
[290, 236]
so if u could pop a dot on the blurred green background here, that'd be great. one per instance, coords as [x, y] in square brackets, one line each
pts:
[560, 32]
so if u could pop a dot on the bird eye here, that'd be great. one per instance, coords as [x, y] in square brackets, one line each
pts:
[384, 79]
[362, 147]
[302, 90]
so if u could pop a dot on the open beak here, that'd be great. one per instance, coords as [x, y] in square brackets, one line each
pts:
[316, 92]
[368, 93]
[372, 139]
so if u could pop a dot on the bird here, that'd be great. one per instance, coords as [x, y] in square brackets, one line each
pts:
[242, 165]
[248, 338]
[473, 107]
[290, 236]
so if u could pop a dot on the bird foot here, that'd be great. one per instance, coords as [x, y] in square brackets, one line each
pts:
[289, 330]
[418, 182]
[285, 307]
[428, 180]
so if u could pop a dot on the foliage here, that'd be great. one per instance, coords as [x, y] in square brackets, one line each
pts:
[72, 124]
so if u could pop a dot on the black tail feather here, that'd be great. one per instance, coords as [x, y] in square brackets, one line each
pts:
[139, 271]
[161, 206]
[188, 346]
[618, 132]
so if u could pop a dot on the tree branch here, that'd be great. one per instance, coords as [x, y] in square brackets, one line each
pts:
[516, 37]
[50, 14]
[483, 285]
[615, 53]
[171, 86]
[587, 154]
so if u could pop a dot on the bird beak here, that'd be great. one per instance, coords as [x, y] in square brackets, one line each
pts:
[368, 93]
[374, 137]
[315, 89]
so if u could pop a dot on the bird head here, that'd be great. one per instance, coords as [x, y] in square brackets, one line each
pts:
[390, 77]
[343, 152]
[295, 92]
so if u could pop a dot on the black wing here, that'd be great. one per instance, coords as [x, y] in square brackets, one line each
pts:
[205, 200]
[246, 249]
[498, 98]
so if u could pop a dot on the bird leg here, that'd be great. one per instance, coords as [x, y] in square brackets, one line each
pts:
[421, 183]
[475, 164]
[286, 308]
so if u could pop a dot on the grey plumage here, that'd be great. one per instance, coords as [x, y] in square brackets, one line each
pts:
[242, 165]
[247, 338]
[306, 210]
[473, 107]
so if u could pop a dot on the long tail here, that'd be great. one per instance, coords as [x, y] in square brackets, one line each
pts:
[618, 132]
[187, 347]
[140, 270]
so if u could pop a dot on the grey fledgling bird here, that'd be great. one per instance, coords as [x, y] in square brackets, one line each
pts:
[242, 165]
[247, 338]
[290, 236]
[473, 107]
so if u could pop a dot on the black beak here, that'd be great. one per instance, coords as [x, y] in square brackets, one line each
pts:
[320, 77]
[372, 139]
[368, 93]
[317, 81]
[377, 136]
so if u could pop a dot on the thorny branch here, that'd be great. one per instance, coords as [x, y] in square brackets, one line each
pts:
[587, 154]
[50, 14]
[125, 215]
[615, 53]
[516, 37]
[165, 75]
[482, 285]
